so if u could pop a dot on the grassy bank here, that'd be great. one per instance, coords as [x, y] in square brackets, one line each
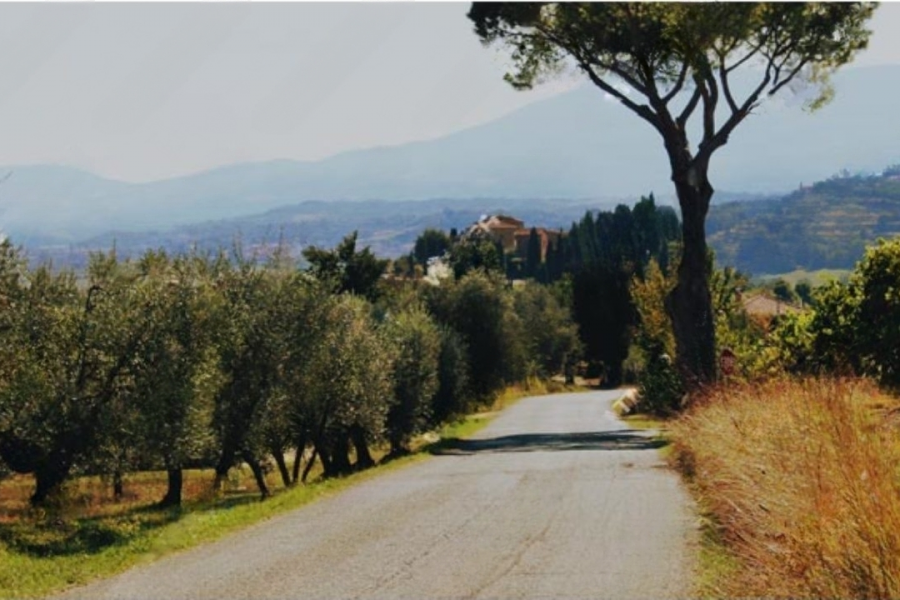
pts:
[89, 536]
[800, 487]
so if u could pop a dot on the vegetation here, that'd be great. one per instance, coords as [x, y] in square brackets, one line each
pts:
[792, 457]
[136, 397]
[588, 270]
[170, 362]
[673, 59]
[799, 481]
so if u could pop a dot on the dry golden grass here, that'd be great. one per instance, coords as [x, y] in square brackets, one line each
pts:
[91, 497]
[800, 478]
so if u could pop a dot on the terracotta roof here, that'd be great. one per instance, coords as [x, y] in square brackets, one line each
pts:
[761, 304]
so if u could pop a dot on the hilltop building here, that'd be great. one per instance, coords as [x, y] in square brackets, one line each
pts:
[511, 234]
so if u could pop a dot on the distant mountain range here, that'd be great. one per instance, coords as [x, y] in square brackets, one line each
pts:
[824, 225]
[577, 145]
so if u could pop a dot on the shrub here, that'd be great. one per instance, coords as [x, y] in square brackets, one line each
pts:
[660, 387]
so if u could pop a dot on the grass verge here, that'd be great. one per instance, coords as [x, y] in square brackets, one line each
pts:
[43, 551]
[798, 484]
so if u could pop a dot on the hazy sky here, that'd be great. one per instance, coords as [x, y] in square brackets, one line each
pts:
[145, 91]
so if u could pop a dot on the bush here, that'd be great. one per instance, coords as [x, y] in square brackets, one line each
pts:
[660, 387]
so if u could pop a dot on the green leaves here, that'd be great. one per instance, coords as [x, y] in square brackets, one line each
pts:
[417, 344]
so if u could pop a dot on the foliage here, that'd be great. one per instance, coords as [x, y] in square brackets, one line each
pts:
[877, 279]
[480, 309]
[415, 375]
[200, 360]
[476, 254]
[655, 331]
[430, 243]
[453, 396]
[66, 365]
[803, 290]
[850, 329]
[550, 335]
[601, 254]
[349, 270]
[782, 290]
[737, 331]
[660, 388]
[347, 385]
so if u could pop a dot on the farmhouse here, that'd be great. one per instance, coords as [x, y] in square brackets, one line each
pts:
[511, 234]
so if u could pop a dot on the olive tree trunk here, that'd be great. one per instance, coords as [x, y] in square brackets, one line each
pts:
[175, 481]
[49, 477]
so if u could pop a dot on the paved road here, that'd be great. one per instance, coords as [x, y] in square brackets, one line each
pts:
[555, 499]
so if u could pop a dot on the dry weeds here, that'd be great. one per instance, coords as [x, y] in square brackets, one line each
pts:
[800, 478]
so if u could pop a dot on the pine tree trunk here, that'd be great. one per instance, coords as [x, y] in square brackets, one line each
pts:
[689, 304]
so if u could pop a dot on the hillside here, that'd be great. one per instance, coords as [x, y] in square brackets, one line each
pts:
[826, 225]
[575, 145]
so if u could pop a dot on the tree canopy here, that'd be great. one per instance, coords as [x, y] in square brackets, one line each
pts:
[674, 65]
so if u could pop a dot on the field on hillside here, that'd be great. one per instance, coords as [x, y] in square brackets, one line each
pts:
[823, 226]
[814, 278]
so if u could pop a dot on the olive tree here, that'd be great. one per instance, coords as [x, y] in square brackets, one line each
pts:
[66, 365]
[675, 67]
[415, 375]
[247, 339]
[346, 386]
[175, 374]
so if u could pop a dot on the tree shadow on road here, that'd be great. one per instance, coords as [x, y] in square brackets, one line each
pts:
[543, 442]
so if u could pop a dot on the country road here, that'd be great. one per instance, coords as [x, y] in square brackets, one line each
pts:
[555, 499]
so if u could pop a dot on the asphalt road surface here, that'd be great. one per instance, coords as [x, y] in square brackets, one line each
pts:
[556, 499]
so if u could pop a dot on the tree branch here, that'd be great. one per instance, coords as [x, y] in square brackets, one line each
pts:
[778, 85]
[744, 58]
[710, 101]
[726, 88]
[617, 69]
[708, 146]
[689, 108]
[679, 84]
[584, 61]
[640, 110]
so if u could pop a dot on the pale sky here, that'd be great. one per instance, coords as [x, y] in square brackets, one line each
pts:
[145, 91]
